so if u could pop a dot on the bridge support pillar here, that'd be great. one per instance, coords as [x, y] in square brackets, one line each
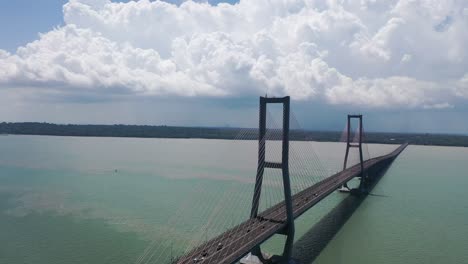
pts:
[349, 144]
[284, 166]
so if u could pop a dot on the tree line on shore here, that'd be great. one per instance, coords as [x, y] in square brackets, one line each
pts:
[146, 131]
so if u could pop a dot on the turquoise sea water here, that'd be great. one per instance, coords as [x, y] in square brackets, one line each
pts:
[423, 217]
[114, 200]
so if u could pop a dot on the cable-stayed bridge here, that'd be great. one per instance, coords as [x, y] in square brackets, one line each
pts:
[300, 188]
[240, 240]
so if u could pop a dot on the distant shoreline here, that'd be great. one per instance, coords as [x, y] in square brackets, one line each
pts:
[144, 131]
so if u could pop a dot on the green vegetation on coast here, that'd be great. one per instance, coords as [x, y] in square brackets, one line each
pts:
[143, 131]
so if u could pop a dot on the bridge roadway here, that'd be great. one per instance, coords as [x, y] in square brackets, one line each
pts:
[238, 241]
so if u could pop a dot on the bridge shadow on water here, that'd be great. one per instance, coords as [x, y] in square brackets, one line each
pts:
[311, 244]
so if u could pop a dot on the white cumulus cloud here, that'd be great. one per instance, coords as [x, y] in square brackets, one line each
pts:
[372, 53]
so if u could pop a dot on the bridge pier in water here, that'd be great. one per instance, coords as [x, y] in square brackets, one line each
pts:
[289, 229]
[363, 185]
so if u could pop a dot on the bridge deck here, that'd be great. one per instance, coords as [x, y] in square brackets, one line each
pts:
[240, 240]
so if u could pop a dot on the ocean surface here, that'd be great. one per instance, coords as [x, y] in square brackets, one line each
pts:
[132, 201]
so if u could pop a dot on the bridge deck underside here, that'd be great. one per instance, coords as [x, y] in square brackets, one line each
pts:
[240, 240]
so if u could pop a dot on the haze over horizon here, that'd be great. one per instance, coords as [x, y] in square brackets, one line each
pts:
[403, 64]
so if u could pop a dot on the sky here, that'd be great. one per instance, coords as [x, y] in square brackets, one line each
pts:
[401, 63]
